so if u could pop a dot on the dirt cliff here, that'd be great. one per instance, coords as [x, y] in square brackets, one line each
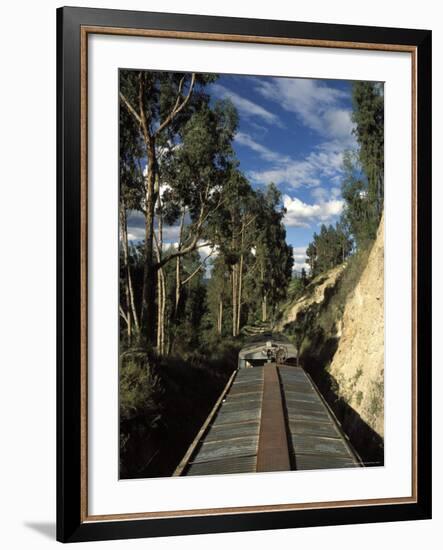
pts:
[358, 364]
[314, 295]
[338, 324]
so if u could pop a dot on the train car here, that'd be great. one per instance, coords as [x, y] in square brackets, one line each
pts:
[269, 417]
[265, 349]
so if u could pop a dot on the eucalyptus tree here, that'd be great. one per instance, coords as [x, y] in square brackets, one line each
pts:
[274, 256]
[131, 194]
[311, 255]
[360, 212]
[219, 287]
[329, 248]
[363, 181]
[233, 233]
[368, 116]
[160, 103]
[197, 173]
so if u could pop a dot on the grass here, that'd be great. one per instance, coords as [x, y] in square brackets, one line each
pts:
[317, 332]
[164, 402]
[377, 399]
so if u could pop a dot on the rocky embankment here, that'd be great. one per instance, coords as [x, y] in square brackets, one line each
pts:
[339, 326]
[358, 364]
[315, 295]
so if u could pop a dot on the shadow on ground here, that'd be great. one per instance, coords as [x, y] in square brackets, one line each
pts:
[46, 529]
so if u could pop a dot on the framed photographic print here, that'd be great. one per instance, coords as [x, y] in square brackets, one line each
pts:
[244, 274]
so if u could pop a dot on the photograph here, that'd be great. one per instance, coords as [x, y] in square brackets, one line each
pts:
[243, 277]
[251, 273]
[218, 301]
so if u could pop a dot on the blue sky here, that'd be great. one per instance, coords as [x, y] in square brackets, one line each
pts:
[292, 132]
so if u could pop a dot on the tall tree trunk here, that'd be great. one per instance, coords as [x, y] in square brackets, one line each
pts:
[161, 309]
[148, 302]
[264, 312]
[220, 316]
[127, 316]
[264, 308]
[132, 312]
[234, 300]
[161, 285]
[178, 283]
[234, 267]
[163, 312]
[240, 278]
[239, 294]
[142, 117]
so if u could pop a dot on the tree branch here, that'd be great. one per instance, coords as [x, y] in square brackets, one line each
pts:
[247, 224]
[122, 313]
[130, 108]
[178, 106]
[199, 268]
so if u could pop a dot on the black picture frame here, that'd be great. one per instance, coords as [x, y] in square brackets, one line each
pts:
[71, 523]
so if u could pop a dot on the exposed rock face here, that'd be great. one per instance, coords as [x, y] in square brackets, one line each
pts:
[315, 294]
[358, 363]
[340, 323]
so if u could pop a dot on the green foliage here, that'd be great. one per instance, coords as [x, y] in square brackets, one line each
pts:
[368, 116]
[179, 168]
[197, 170]
[362, 186]
[377, 398]
[363, 182]
[360, 213]
[329, 248]
[139, 388]
[315, 331]
[274, 255]
[164, 401]
[186, 322]
[297, 287]
[159, 95]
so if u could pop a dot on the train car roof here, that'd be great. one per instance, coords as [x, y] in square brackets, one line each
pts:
[256, 344]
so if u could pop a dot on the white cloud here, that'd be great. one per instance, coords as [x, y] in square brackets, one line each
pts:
[321, 163]
[171, 233]
[299, 255]
[336, 192]
[298, 266]
[299, 251]
[317, 105]
[319, 194]
[136, 231]
[245, 106]
[305, 172]
[264, 152]
[301, 214]
[207, 250]
[322, 194]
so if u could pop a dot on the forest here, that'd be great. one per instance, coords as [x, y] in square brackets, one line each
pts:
[178, 166]
[184, 304]
[362, 186]
[230, 265]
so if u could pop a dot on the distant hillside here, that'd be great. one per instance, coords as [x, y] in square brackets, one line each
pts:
[338, 323]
